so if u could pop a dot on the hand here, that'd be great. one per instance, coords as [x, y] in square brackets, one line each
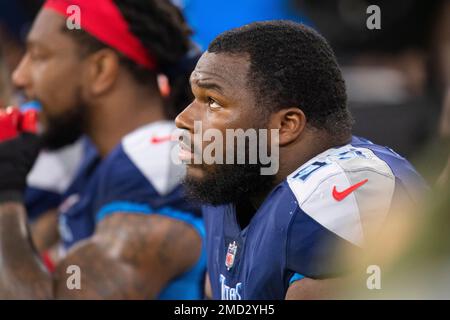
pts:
[19, 148]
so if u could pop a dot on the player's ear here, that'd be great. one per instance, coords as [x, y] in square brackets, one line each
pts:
[291, 123]
[103, 70]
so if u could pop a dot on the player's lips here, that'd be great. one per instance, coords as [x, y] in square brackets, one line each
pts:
[188, 150]
[185, 153]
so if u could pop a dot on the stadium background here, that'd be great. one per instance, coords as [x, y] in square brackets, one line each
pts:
[397, 77]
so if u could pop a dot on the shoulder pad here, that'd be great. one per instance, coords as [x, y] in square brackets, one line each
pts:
[55, 170]
[347, 190]
[150, 148]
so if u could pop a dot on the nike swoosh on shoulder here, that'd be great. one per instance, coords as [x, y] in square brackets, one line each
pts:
[341, 195]
[156, 140]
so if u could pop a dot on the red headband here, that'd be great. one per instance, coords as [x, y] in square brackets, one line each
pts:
[103, 20]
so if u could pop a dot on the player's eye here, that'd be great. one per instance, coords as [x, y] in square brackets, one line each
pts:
[213, 104]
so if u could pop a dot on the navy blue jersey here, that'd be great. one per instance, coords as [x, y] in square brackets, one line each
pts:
[337, 200]
[138, 176]
[50, 177]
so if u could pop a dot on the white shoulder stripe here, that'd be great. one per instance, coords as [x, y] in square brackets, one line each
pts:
[364, 186]
[149, 148]
[54, 170]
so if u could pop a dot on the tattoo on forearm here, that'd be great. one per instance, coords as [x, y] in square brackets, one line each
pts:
[131, 256]
[23, 276]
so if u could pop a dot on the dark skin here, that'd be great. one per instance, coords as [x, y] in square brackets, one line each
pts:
[130, 256]
[44, 230]
[224, 100]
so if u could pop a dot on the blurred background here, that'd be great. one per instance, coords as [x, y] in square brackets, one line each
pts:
[397, 77]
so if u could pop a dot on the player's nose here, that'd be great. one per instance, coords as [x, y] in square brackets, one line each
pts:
[185, 120]
[21, 77]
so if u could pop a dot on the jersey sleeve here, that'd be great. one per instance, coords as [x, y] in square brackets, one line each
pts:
[343, 201]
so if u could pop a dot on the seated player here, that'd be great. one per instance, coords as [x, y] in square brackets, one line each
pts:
[124, 220]
[274, 236]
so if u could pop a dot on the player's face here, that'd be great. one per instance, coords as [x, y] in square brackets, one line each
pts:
[223, 100]
[51, 72]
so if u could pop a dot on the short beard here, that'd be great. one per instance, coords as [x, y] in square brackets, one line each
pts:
[229, 183]
[65, 129]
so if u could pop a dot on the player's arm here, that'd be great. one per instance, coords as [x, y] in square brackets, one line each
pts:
[311, 289]
[44, 230]
[131, 256]
[23, 275]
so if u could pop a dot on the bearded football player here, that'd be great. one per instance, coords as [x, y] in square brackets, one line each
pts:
[275, 236]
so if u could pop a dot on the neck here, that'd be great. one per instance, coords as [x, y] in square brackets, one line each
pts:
[121, 114]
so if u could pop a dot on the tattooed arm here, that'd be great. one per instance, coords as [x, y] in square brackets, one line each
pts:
[44, 231]
[131, 256]
[22, 273]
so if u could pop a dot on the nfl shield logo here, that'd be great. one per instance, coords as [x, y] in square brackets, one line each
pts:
[231, 254]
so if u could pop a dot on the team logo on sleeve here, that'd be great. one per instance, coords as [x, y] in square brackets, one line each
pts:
[231, 255]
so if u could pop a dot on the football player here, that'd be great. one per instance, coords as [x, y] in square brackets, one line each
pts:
[275, 236]
[124, 220]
